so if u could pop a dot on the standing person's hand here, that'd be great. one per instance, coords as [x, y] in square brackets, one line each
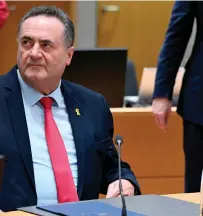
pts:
[161, 107]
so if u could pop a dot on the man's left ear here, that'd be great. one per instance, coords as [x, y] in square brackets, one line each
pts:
[70, 55]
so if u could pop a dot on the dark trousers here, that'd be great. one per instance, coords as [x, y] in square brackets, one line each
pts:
[193, 149]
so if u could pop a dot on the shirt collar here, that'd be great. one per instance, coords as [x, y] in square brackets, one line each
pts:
[32, 96]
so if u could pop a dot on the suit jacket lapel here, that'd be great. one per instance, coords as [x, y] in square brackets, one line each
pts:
[76, 116]
[15, 106]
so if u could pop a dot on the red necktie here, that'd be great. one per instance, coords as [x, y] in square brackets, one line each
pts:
[66, 190]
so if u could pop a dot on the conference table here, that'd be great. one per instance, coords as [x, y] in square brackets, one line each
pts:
[190, 197]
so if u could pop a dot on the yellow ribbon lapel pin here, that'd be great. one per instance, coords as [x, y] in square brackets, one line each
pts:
[77, 112]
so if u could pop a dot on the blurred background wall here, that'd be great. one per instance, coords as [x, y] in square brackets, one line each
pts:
[140, 26]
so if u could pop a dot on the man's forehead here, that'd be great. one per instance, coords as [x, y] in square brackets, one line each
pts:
[42, 28]
[42, 23]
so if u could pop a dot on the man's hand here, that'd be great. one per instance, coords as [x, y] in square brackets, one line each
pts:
[161, 107]
[113, 189]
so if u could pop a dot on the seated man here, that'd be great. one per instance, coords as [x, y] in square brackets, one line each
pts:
[56, 135]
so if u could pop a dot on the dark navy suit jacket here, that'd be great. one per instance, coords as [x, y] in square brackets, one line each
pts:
[190, 105]
[92, 131]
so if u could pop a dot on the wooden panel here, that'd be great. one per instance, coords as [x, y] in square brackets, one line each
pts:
[150, 22]
[162, 185]
[140, 26]
[8, 34]
[153, 155]
[150, 151]
[115, 28]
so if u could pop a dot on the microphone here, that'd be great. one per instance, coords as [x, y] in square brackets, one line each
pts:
[119, 141]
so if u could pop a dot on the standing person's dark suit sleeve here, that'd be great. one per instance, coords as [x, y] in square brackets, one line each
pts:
[176, 40]
[110, 169]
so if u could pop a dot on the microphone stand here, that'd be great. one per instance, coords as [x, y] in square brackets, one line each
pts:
[124, 212]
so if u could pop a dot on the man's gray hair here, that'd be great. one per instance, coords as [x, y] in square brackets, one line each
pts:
[52, 11]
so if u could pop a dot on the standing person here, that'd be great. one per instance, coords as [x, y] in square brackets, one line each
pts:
[190, 106]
